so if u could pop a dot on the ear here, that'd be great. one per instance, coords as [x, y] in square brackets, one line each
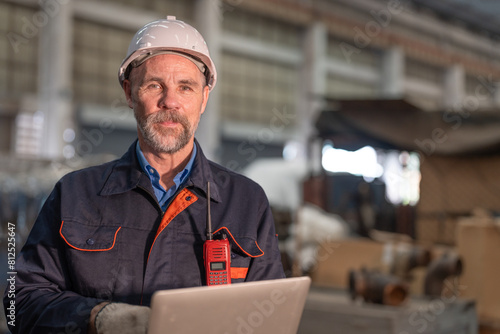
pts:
[127, 88]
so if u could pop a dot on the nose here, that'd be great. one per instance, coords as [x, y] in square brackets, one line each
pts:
[169, 100]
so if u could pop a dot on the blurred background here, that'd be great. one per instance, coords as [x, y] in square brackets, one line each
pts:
[372, 125]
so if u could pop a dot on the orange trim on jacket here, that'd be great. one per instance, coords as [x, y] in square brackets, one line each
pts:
[239, 246]
[88, 250]
[239, 272]
[184, 199]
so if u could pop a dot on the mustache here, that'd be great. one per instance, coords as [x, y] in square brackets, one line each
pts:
[167, 116]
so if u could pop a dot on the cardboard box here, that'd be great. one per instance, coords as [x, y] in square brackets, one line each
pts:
[458, 185]
[436, 229]
[478, 242]
[335, 259]
[489, 329]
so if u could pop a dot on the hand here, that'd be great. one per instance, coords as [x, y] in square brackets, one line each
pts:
[119, 318]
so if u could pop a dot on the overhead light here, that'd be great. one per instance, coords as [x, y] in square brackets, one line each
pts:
[362, 162]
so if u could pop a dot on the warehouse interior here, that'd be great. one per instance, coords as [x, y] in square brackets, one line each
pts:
[372, 125]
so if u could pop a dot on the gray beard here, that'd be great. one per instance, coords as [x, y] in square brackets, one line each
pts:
[161, 139]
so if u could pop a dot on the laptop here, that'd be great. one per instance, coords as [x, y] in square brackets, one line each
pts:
[271, 306]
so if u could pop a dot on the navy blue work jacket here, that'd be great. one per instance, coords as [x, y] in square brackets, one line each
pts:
[101, 235]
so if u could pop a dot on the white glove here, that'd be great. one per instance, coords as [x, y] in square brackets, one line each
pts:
[121, 318]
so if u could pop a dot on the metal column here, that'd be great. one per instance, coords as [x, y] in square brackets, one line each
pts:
[313, 89]
[208, 17]
[454, 87]
[55, 75]
[393, 73]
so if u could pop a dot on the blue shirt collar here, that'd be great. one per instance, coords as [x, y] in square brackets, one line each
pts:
[163, 195]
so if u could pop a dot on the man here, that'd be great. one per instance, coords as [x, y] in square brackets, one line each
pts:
[109, 236]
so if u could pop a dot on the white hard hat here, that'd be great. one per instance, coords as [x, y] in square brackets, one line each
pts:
[167, 36]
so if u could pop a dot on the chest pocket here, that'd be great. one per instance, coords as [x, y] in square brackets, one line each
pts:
[92, 257]
[89, 238]
[243, 250]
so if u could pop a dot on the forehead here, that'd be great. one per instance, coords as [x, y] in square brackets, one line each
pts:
[165, 65]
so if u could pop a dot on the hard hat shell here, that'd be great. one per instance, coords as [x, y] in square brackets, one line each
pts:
[172, 35]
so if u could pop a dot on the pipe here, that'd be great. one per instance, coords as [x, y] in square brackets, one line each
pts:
[378, 288]
[449, 264]
[408, 257]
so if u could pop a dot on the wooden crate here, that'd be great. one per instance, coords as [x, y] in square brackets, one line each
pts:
[332, 311]
[336, 259]
[458, 185]
[452, 187]
[489, 329]
[478, 243]
[436, 229]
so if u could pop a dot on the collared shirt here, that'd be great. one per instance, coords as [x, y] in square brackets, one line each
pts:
[161, 193]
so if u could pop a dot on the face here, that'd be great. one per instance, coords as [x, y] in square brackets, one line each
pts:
[168, 94]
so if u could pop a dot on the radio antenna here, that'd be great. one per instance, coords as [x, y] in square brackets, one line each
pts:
[209, 218]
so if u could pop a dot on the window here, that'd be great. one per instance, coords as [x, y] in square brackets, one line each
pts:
[18, 50]
[263, 29]
[345, 88]
[98, 53]
[182, 9]
[251, 89]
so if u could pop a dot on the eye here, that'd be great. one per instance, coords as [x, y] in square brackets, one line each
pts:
[186, 88]
[154, 86]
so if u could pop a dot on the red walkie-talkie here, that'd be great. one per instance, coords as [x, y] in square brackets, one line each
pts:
[216, 254]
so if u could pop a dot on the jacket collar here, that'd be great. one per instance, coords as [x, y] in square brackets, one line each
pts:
[127, 175]
[202, 173]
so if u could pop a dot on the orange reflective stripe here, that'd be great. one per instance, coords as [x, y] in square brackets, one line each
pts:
[238, 272]
[88, 250]
[184, 199]
[239, 246]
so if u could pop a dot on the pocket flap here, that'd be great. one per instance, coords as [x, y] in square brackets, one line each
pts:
[246, 245]
[88, 238]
